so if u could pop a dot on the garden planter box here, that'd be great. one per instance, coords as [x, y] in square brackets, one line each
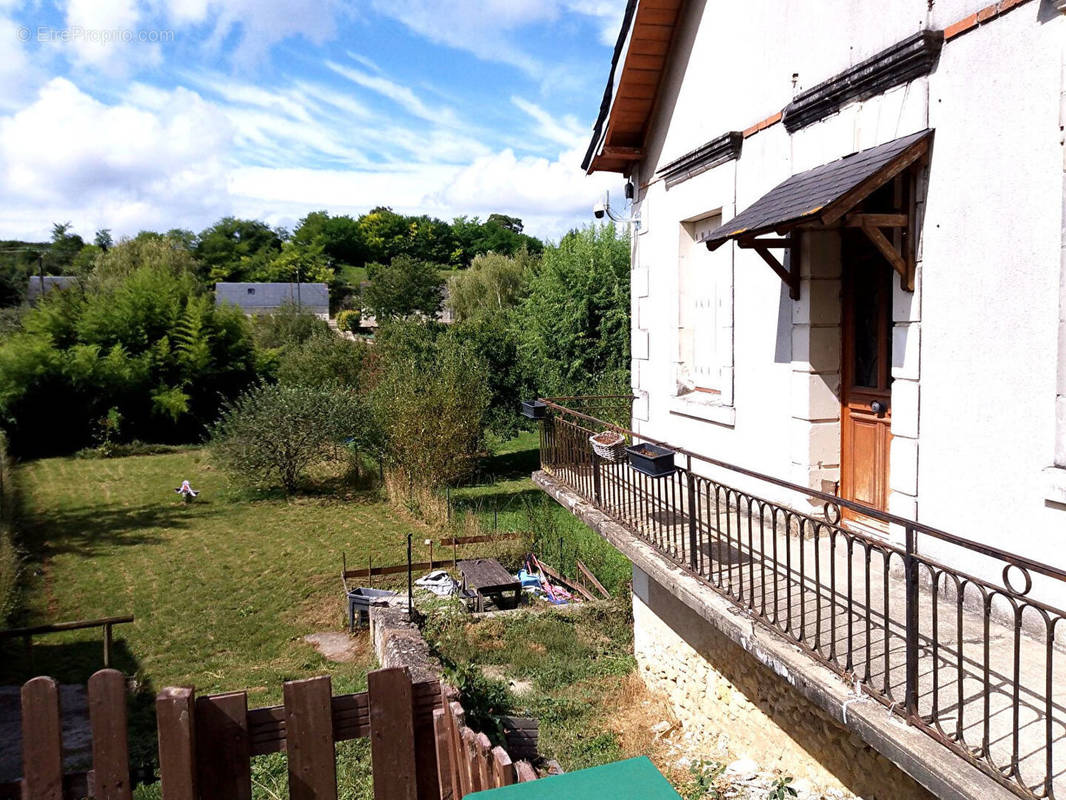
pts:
[534, 409]
[651, 460]
[359, 602]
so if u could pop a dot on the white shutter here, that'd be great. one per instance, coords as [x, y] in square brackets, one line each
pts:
[704, 317]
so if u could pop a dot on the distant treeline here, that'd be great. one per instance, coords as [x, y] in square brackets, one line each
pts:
[324, 248]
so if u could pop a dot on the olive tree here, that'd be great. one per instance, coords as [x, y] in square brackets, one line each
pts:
[272, 433]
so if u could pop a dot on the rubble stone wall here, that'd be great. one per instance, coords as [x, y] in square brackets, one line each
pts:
[732, 706]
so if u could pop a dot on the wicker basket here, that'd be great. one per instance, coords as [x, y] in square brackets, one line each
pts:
[609, 445]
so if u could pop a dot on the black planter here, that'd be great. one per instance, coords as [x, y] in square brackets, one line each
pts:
[651, 460]
[534, 409]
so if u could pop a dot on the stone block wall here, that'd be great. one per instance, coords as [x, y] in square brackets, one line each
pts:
[732, 706]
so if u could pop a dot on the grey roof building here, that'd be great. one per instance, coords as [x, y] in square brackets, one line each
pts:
[266, 298]
[42, 285]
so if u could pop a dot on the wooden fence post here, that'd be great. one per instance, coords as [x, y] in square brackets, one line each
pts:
[176, 724]
[502, 769]
[222, 748]
[484, 759]
[42, 741]
[470, 758]
[456, 718]
[107, 714]
[309, 739]
[392, 734]
[445, 773]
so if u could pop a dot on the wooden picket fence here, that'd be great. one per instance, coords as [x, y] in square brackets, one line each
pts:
[420, 746]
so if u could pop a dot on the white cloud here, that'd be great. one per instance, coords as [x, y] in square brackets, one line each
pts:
[96, 35]
[17, 72]
[566, 131]
[125, 169]
[397, 93]
[263, 23]
[488, 28]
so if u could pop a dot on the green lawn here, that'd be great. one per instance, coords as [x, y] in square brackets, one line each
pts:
[223, 589]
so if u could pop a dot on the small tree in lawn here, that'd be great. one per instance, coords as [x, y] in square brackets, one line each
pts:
[274, 432]
[405, 287]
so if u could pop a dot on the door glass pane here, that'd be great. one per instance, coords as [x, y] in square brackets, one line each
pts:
[866, 322]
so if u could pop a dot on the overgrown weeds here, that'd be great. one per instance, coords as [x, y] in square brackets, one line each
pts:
[10, 558]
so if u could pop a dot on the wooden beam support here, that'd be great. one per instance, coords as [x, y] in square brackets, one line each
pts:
[750, 244]
[623, 153]
[859, 220]
[791, 279]
[899, 264]
[843, 204]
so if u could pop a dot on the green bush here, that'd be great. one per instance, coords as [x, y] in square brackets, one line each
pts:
[322, 359]
[574, 321]
[430, 402]
[141, 338]
[287, 326]
[348, 320]
[273, 433]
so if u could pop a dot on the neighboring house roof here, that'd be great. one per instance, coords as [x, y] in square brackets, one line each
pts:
[272, 295]
[815, 194]
[637, 67]
[35, 289]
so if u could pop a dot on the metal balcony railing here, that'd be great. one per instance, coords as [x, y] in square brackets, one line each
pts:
[973, 656]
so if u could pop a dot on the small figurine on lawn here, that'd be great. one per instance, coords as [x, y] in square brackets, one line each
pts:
[187, 492]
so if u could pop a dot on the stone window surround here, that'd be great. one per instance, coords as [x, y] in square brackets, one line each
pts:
[1055, 475]
[1055, 484]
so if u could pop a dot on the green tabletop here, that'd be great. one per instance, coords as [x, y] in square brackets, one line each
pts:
[633, 779]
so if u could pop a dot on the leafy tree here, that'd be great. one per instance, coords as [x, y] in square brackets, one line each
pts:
[499, 234]
[384, 232]
[341, 237]
[404, 288]
[429, 400]
[65, 245]
[103, 239]
[429, 239]
[297, 263]
[493, 283]
[233, 249]
[84, 262]
[494, 337]
[574, 323]
[274, 432]
[145, 250]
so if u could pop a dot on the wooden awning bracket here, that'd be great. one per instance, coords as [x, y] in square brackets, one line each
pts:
[790, 274]
[871, 225]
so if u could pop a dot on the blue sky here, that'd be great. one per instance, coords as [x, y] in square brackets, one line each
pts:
[172, 113]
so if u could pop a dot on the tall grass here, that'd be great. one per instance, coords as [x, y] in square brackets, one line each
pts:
[10, 560]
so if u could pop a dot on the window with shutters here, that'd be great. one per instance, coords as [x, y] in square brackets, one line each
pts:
[704, 289]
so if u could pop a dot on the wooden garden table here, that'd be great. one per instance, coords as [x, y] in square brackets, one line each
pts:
[486, 577]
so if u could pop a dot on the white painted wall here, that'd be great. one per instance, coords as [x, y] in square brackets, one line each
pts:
[975, 347]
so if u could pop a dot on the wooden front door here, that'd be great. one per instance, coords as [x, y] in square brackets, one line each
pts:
[866, 394]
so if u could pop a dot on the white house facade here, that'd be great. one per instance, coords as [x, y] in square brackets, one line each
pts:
[848, 281]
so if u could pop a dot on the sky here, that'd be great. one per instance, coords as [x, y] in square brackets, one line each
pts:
[157, 114]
